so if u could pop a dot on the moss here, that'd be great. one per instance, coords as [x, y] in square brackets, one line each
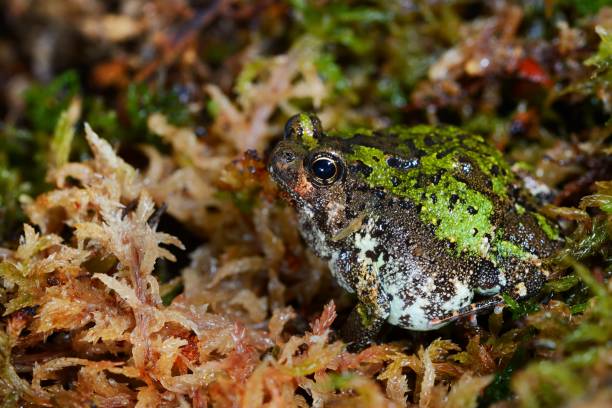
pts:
[365, 314]
[521, 308]
[514, 73]
[45, 103]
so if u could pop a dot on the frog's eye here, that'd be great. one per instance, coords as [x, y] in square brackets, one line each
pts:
[325, 169]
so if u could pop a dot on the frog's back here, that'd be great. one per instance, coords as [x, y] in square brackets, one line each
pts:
[462, 187]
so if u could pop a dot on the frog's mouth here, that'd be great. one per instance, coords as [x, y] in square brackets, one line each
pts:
[289, 189]
[285, 168]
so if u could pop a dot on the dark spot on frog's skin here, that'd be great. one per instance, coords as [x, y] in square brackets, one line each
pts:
[433, 197]
[429, 141]
[419, 207]
[472, 210]
[437, 177]
[385, 256]
[349, 196]
[380, 193]
[395, 181]
[406, 204]
[375, 158]
[451, 245]
[463, 136]
[452, 201]
[350, 214]
[515, 192]
[402, 164]
[423, 196]
[489, 184]
[379, 231]
[415, 150]
[495, 170]
[444, 153]
[474, 232]
[379, 251]
[361, 167]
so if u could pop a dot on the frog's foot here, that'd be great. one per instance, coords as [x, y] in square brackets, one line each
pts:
[469, 311]
[359, 330]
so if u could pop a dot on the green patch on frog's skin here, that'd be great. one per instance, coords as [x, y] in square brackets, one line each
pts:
[507, 249]
[451, 141]
[446, 202]
[435, 200]
[306, 126]
[551, 231]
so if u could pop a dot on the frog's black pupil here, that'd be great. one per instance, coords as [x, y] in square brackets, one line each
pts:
[324, 168]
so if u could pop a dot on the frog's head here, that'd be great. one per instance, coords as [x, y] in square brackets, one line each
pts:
[311, 169]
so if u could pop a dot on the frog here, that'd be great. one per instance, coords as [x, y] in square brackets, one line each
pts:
[424, 224]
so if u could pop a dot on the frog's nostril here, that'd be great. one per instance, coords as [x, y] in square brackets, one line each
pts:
[288, 157]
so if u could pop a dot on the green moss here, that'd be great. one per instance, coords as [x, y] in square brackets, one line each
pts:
[341, 22]
[142, 101]
[562, 284]
[63, 135]
[550, 383]
[587, 7]
[587, 245]
[11, 386]
[48, 141]
[365, 314]
[521, 308]
[603, 58]
[45, 102]
[499, 389]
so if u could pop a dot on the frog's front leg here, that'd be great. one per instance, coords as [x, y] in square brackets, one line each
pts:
[361, 327]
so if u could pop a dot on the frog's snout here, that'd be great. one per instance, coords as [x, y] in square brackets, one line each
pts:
[284, 163]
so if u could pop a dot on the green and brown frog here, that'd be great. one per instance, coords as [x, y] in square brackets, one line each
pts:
[417, 221]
